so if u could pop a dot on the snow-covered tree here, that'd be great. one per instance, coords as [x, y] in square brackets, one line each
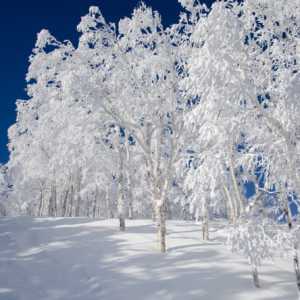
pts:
[245, 71]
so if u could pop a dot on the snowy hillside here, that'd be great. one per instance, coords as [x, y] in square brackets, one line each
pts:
[80, 258]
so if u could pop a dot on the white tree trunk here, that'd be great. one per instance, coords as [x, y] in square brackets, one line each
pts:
[64, 208]
[230, 209]
[107, 196]
[149, 178]
[65, 203]
[255, 276]
[289, 220]
[161, 220]
[236, 209]
[236, 186]
[52, 200]
[71, 201]
[160, 211]
[157, 207]
[95, 203]
[158, 143]
[55, 196]
[121, 202]
[153, 205]
[205, 228]
[77, 208]
[52, 210]
[296, 260]
[297, 271]
[41, 208]
[233, 198]
[161, 229]
[87, 203]
[129, 176]
[205, 221]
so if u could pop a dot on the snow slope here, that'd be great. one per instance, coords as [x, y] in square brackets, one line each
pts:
[89, 259]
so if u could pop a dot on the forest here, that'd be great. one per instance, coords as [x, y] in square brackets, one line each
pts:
[197, 121]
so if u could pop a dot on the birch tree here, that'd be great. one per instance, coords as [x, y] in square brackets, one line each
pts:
[247, 65]
[133, 78]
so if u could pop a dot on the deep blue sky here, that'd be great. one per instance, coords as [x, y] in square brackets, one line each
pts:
[21, 20]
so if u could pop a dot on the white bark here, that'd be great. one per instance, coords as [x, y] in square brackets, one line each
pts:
[255, 276]
[52, 200]
[71, 201]
[205, 221]
[52, 210]
[158, 143]
[107, 196]
[77, 208]
[297, 272]
[153, 211]
[65, 203]
[231, 214]
[129, 176]
[151, 177]
[55, 195]
[236, 186]
[236, 209]
[64, 208]
[289, 220]
[41, 208]
[258, 201]
[121, 202]
[87, 205]
[95, 203]
[161, 230]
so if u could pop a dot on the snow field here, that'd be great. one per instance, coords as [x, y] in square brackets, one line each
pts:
[85, 258]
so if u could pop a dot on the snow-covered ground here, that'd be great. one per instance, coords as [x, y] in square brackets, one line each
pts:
[80, 258]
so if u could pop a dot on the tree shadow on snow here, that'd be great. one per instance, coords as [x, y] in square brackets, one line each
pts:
[80, 258]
